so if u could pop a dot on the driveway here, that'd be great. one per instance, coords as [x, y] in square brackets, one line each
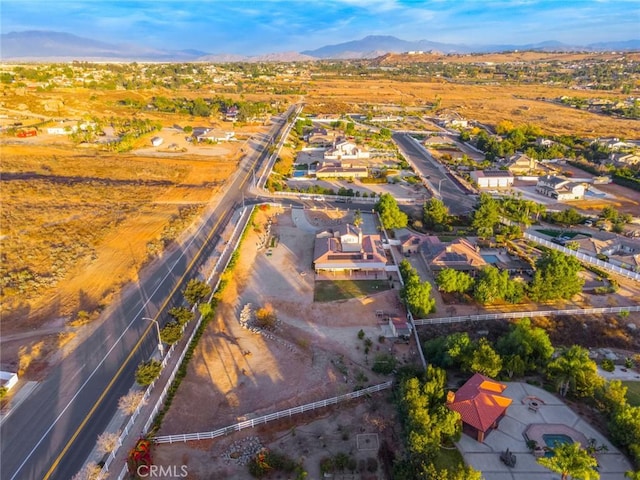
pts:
[509, 434]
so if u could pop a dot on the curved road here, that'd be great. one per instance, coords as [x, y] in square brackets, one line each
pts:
[52, 432]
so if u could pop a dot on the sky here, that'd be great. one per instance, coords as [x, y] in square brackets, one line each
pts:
[265, 26]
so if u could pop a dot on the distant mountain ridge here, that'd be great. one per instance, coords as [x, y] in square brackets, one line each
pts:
[46, 46]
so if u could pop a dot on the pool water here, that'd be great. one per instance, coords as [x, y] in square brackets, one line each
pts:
[552, 440]
[490, 258]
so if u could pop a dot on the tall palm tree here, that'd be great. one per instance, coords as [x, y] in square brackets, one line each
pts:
[571, 461]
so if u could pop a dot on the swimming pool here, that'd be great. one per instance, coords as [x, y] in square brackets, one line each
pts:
[553, 440]
[490, 258]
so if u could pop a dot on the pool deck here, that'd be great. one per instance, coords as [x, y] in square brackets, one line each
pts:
[510, 434]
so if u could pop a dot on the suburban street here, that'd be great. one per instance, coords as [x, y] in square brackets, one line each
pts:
[52, 432]
[434, 173]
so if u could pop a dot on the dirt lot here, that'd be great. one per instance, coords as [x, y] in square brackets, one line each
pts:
[314, 354]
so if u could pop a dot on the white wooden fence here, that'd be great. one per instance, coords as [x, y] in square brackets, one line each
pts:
[186, 437]
[538, 313]
[585, 257]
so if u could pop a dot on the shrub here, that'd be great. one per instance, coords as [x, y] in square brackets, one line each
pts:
[608, 365]
[266, 318]
[384, 364]
[360, 334]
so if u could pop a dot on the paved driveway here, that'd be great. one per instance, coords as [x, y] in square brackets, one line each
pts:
[486, 456]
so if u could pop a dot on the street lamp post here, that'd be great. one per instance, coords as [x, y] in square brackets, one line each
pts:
[440, 184]
[160, 346]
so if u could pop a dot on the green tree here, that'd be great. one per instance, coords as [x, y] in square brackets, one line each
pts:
[490, 285]
[624, 427]
[612, 397]
[575, 373]
[417, 294]
[171, 333]
[390, 214]
[181, 315]
[556, 277]
[570, 460]
[435, 213]
[513, 365]
[531, 345]
[454, 281]
[567, 217]
[147, 372]
[486, 216]
[485, 360]
[195, 291]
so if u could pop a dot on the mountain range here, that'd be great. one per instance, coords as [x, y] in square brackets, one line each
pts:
[59, 46]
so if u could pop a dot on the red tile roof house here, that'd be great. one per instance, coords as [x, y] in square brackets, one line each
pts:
[347, 250]
[480, 404]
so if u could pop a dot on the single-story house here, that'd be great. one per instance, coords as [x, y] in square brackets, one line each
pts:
[459, 255]
[480, 404]
[347, 249]
[492, 178]
[341, 170]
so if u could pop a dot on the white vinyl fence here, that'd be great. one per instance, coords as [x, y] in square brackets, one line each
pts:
[535, 313]
[272, 416]
[584, 257]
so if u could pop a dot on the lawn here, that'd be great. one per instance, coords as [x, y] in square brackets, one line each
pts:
[633, 393]
[329, 291]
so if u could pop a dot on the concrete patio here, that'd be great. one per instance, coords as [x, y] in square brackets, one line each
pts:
[509, 434]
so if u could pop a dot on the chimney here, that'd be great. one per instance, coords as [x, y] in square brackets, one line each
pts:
[451, 396]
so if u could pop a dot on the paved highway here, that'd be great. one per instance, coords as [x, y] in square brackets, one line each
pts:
[53, 431]
[427, 167]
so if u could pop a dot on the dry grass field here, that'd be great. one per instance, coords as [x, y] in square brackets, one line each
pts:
[69, 216]
[488, 104]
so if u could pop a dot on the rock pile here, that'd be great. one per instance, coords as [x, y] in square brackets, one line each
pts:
[241, 451]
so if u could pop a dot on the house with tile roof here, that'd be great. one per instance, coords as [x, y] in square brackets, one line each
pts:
[480, 404]
[459, 255]
[346, 249]
[521, 164]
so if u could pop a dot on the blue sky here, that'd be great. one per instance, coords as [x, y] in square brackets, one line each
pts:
[262, 26]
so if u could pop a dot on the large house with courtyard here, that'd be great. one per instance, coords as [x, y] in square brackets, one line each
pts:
[347, 250]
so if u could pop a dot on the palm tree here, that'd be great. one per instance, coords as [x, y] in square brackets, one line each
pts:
[575, 372]
[571, 461]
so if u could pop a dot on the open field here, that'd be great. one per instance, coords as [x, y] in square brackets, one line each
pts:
[487, 104]
[78, 223]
